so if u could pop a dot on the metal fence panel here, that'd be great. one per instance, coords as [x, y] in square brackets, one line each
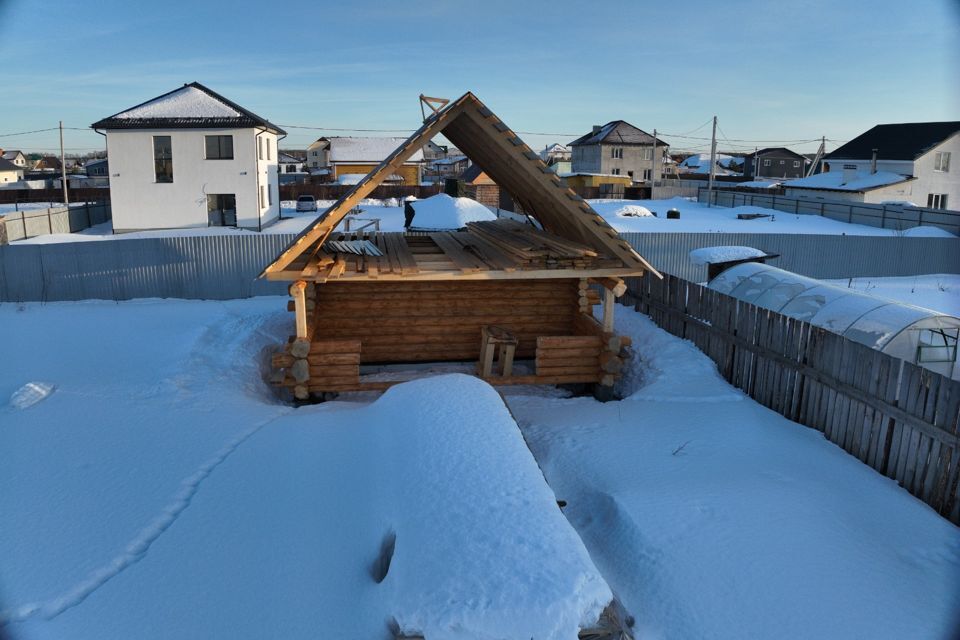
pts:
[221, 267]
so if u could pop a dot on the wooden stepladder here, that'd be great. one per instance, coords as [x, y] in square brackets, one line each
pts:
[496, 341]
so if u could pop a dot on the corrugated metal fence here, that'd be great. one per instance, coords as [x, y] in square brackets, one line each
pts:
[39, 222]
[816, 256]
[895, 217]
[223, 267]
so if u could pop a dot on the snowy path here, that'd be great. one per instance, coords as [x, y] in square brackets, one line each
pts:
[712, 517]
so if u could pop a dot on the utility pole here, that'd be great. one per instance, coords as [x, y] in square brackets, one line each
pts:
[756, 163]
[713, 162]
[653, 161]
[63, 168]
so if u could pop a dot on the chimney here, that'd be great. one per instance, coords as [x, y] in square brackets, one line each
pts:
[596, 129]
[849, 173]
[873, 161]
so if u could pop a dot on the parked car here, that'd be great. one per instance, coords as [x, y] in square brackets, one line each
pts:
[306, 203]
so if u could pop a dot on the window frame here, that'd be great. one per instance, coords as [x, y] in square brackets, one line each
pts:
[949, 337]
[766, 163]
[220, 146]
[616, 153]
[796, 164]
[939, 166]
[157, 160]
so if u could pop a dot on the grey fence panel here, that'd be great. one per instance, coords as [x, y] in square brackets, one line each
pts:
[221, 267]
[894, 217]
[195, 267]
[817, 256]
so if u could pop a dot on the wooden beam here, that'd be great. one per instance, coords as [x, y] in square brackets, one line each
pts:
[608, 306]
[297, 292]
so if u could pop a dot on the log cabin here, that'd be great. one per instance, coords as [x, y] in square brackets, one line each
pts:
[514, 299]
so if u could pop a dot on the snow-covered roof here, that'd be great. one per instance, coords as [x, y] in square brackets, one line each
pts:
[355, 178]
[758, 184]
[702, 161]
[286, 158]
[366, 149]
[446, 212]
[449, 160]
[716, 255]
[190, 106]
[860, 181]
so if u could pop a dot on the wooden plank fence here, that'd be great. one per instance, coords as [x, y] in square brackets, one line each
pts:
[899, 418]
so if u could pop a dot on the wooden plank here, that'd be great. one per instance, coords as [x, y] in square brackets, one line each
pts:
[454, 250]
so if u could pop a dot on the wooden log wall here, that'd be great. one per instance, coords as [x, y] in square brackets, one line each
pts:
[437, 321]
[901, 419]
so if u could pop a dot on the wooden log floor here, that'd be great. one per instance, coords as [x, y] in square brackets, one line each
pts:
[486, 250]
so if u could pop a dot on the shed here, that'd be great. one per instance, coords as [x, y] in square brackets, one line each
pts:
[498, 291]
[921, 336]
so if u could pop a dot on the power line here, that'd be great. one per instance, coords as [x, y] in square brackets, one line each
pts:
[23, 133]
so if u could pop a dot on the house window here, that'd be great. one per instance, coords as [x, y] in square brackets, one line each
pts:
[219, 147]
[615, 172]
[647, 173]
[941, 161]
[616, 152]
[781, 162]
[796, 164]
[260, 148]
[766, 163]
[937, 201]
[162, 159]
[268, 148]
[221, 209]
[937, 345]
[269, 197]
[263, 195]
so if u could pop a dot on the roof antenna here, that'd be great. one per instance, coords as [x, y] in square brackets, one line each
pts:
[435, 104]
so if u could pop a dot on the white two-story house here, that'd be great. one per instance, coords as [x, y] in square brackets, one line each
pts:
[191, 158]
[916, 162]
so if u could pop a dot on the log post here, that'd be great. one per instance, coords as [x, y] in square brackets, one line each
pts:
[297, 292]
[608, 306]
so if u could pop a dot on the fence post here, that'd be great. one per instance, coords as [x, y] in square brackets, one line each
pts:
[821, 208]
[50, 221]
[23, 221]
[883, 217]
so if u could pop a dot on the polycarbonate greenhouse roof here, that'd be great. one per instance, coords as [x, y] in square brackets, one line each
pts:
[864, 318]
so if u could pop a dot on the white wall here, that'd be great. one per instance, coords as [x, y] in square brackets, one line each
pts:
[11, 176]
[139, 202]
[899, 191]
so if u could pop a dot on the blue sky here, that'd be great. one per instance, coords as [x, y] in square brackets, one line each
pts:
[771, 71]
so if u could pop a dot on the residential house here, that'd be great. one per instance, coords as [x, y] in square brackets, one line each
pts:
[448, 167]
[555, 152]
[16, 157]
[908, 162]
[291, 164]
[342, 158]
[699, 163]
[478, 185]
[97, 168]
[191, 158]
[619, 149]
[48, 164]
[10, 172]
[774, 162]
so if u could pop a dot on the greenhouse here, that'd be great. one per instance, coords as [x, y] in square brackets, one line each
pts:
[922, 336]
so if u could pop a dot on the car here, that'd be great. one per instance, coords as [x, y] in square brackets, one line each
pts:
[306, 203]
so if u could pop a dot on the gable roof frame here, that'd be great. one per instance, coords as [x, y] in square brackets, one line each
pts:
[503, 156]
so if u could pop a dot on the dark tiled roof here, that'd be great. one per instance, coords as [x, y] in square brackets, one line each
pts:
[762, 152]
[48, 162]
[471, 173]
[245, 119]
[907, 141]
[6, 165]
[618, 132]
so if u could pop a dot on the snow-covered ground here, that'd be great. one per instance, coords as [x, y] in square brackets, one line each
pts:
[696, 217]
[27, 206]
[939, 291]
[621, 214]
[161, 491]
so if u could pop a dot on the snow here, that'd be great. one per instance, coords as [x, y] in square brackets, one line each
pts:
[446, 212]
[367, 149]
[758, 184]
[713, 255]
[701, 163]
[162, 492]
[10, 208]
[696, 217]
[30, 394]
[632, 211]
[350, 178]
[713, 517]
[925, 231]
[940, 292]
[186, 102]
[861, 181]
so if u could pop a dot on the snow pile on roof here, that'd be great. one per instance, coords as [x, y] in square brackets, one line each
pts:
[633, 211]
[701, 161]
[350, 178]
[861, 181]
[445, 212]
[714, 255]
[758, 184]
[187, 102]
[367, 149]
